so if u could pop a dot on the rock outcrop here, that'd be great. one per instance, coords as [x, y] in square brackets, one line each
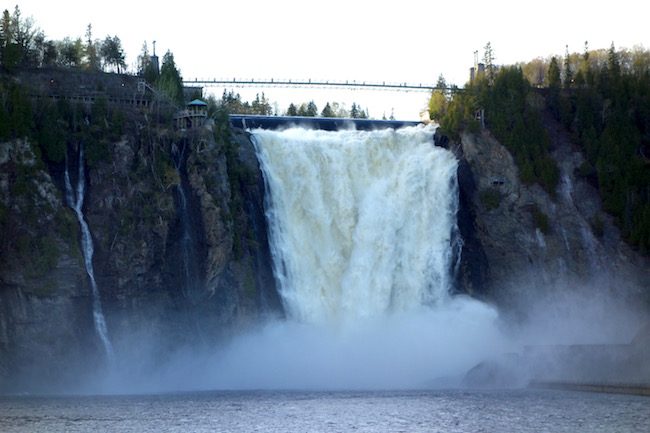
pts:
[535, 242]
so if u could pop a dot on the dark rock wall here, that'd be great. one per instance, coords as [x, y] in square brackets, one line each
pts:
[535, 243]
[47, 338]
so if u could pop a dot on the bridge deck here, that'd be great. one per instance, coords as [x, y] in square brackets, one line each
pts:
[324, 123]
[406, 87]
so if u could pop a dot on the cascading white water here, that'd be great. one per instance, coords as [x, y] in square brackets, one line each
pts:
[361, 223]
[362, 233]
[75, 200]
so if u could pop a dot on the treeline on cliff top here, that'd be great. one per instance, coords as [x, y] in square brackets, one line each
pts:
[23, 45]
[51, 123]
[233, 103]
[602, 97]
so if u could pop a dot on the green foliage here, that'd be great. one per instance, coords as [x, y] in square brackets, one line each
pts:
[308, 110]
[5, 126]
[513, 117]
[327, 111]
[608, 114]
[70, 52]
[517, 124]
[261, 106]
[49, 132]
[568, 70]
[460, 114]
[438, 104]
[91, 51]
[360, 112]
[239, 176]
[52, 126]
[488, 59]
[43, 254]
[292, 110]
[490, 198]
[113, 54]
[19, 41]
[331, 110]
[232, 103]
[68, 227]
[540, 220]
[26, 241]
[15, 111]
[170, 81]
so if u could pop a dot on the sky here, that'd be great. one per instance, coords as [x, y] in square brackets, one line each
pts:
[411, 41]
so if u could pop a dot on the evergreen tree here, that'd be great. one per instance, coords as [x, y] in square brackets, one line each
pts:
[146, 68]
[292, 110]
[71, 52]
[23, 33]
[438, 100]
[170, 81]
[3, 37]
[613, 63]
[113, 54]
[20, 112]
[354, 111]
[37, 52]
[327, 111]
[554, 77]
[231, 103]
[363, 114]
[261, 106]
[144, 59]
[312, 109]
[488, 59]
[50, 54]
[568, 72]
[10, 53]
[92, 58]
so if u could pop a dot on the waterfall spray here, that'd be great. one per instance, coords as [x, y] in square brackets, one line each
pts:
[363, 238]
[364, 242]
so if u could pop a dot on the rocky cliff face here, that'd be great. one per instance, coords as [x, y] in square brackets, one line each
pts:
[535, 243]
[518, 240]
[132, 207]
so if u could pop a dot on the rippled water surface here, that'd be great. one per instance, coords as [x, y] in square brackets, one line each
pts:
[417, 411]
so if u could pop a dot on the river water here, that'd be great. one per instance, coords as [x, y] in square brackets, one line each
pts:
[272, 411]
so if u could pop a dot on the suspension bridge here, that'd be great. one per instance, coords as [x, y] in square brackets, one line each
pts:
[323, 84]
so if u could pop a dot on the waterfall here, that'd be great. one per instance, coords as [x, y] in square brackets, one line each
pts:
[361, 222]
[188, 257]
[75, 200]
[186, 242]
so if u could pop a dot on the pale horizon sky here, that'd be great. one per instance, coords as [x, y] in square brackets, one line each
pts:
[394, 41]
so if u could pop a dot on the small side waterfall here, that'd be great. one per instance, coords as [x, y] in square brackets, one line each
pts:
[190, 277]
[186, 242]
[75, 200]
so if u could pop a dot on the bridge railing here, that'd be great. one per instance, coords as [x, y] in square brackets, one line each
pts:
[284, 82]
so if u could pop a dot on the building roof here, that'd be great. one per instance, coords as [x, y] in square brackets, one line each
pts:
[197, 103]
